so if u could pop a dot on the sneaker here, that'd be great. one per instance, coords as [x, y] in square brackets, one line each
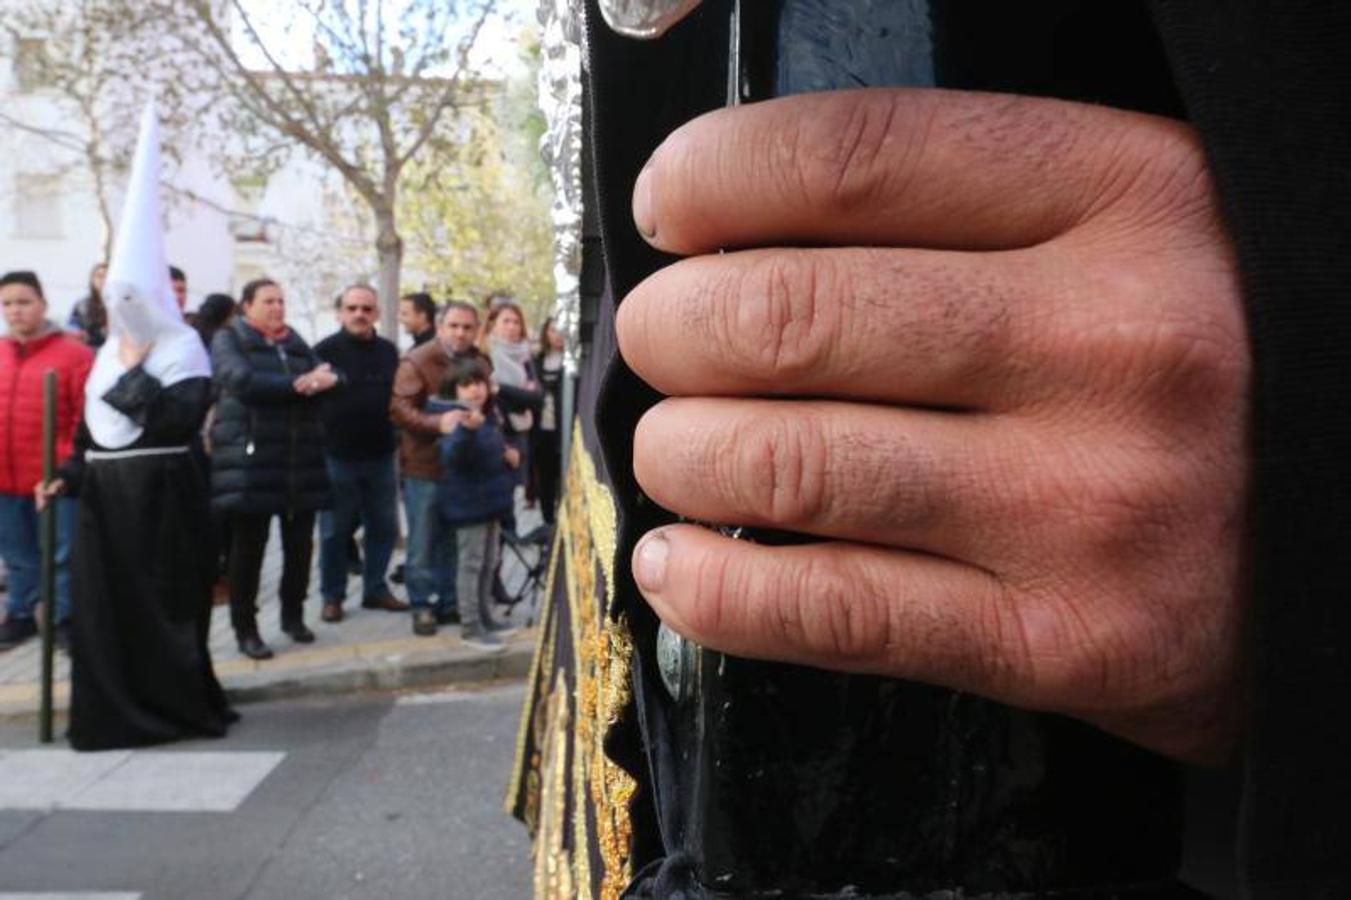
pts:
[503, 629]
[424, 622]
[15, 631]
[483, 640]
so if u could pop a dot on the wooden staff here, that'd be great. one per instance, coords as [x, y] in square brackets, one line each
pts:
[48, 538]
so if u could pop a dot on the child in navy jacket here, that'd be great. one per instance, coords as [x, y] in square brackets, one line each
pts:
[475, 491]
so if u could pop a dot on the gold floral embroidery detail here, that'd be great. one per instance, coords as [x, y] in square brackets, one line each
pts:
[603, 657]
[553, 869]
[534, 724]
[568, 785]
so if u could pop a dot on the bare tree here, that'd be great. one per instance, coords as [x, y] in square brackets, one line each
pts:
[381, 86]
[96, 58]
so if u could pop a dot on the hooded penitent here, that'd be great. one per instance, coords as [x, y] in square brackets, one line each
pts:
[140, 300]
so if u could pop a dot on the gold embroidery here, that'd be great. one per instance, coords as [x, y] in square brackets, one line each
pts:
[603, 656]
[533, 721]
[553, 872]
[568, 786]
[600, 507]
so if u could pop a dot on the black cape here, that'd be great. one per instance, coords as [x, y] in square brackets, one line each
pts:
[142, 570]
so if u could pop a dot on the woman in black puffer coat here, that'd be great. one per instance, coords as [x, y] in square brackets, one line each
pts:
[267, 456]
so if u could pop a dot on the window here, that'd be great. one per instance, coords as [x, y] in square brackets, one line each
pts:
[28, 59]
[37, 206]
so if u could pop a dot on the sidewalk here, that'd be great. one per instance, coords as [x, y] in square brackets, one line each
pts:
[368, 650]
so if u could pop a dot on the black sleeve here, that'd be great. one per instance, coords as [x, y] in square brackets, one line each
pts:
[518, 399]
[1266, 86]
[169, 415]
[233, 373]
[133, 394]
[71, 470]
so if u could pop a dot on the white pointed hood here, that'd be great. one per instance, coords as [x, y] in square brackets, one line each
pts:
[140, 299]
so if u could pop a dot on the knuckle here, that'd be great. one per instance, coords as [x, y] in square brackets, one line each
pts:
[1196, 364]
[846, 620]
[782, 316]
[837, 157]
[780, 469]
[717, 582]
[1002, 658]
[1156, 358]
[1157, 165]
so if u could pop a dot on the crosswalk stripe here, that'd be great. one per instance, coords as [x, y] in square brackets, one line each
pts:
[71, 895]
[132, 781]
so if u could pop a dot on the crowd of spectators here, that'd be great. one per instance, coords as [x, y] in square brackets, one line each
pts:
[328, 436]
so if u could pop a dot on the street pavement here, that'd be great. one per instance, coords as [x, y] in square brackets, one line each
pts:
[370, 649]
[373, 796]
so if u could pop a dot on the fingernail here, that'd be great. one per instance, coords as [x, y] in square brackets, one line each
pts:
[642, 203]
[650, 570]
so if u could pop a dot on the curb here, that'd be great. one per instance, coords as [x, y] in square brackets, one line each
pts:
[357, 673]
[433, 669]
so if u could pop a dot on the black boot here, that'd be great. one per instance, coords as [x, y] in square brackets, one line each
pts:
[252, 646]
[298, 632]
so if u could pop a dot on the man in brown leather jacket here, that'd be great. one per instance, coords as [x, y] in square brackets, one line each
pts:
[431, 548]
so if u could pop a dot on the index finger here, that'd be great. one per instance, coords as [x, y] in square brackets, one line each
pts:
[903, 167]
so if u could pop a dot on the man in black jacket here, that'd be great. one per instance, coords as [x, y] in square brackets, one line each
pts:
[359, 446]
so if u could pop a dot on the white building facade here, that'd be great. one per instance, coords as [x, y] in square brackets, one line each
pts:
[298, 226]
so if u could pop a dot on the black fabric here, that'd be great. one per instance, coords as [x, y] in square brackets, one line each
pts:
[1267, 84]
[545, 471]
[267, 445]
[248, 542]
[141, 583]
[643, 89]
[355, 413]
[640, 92]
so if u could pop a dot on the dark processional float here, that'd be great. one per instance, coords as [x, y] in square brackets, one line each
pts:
[651, 767]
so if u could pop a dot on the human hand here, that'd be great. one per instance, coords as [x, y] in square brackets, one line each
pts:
[132, 353]
[322, 378]
[1021, 322]
[450, 419]
[316, 381]
[513, 457]
[472, 420]
[45, 493]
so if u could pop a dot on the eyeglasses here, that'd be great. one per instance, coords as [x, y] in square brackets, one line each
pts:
[364, 309]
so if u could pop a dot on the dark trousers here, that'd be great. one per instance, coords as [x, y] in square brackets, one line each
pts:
[545, 466]
[248, 541]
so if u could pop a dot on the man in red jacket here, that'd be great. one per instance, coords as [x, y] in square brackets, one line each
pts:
[32, 347]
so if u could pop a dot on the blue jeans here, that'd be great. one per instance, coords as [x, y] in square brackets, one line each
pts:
[20, 546]
[365, 494]
[431, 548]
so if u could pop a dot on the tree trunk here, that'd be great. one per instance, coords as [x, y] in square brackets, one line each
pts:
[389, 251]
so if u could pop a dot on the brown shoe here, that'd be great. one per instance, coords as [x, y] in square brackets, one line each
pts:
[386, 601]
[332, 612]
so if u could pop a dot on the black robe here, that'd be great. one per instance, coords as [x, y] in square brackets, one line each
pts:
[141, 580]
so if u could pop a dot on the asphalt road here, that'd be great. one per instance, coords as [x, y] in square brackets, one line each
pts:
[365, 797]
